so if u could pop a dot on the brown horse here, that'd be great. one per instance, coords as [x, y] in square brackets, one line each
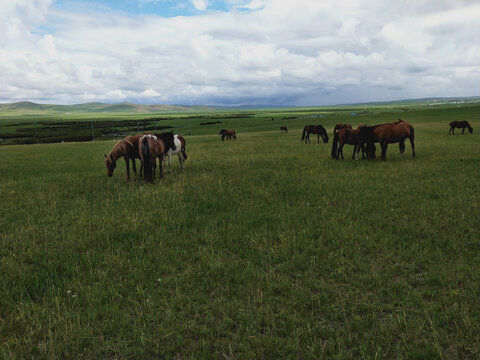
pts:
[227, 133]
[461, 125]
[345, 135]
[128, 148]
[386, 134]
[314, 129]
[341, 126]
[283, 129]
[149, 148]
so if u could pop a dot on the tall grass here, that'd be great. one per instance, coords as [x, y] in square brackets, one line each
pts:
[263, 247]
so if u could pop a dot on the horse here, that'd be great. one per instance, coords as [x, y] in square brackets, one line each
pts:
[314, 129]
[227, 133]
[171, 145]
[128, 148]
[150, 147]
[461, 125]
[283, 129]
[341, 126]
[346, 135]
[178, 150]
[387, 134]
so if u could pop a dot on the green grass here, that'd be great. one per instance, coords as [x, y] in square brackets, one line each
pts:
[263, 247]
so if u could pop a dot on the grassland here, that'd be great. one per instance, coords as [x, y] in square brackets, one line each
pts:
[263, 247]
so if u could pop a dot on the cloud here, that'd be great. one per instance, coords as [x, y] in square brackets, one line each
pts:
[200, 4]
[261, 51]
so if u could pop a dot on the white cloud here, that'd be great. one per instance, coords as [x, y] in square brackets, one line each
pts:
[304, 52]
[200, 4]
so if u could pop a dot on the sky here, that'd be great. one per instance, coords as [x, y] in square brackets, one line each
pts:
[238, 52]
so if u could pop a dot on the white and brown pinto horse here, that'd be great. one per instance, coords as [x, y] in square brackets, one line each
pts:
[179, 150]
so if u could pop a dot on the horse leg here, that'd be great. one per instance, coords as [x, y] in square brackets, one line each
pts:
[401, 146]
[463, 131]
[354, 151]
[134, 166]
[160, 170]
[340, 152]
[180, 158]
[384, 146]
[127, 165]
[412, 143]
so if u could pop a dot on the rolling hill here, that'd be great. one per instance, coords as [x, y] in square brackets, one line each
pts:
[31, 108]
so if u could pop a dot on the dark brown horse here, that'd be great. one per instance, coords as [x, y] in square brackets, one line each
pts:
[128, 148]
[461, 125]
[345, 135]
[314, 129]
[386, 134]
[149, 148]
[283, 129]
[228, 133]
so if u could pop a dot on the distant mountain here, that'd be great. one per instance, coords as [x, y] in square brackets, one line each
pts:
[425, 101]
[31, 108]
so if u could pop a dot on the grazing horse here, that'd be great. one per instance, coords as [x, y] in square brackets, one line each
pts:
[150, 147]
[227, 133]
[461, 125]
[314, 129]
[179, 150]
[283, 129]
[348, 136]
[128, 148]
[388, 134]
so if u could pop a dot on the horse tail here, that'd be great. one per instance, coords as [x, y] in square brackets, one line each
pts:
[234, 135]
[303, 134]
[147, 161]
[335, 145]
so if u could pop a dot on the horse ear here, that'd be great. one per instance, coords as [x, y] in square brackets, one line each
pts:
[105, 155]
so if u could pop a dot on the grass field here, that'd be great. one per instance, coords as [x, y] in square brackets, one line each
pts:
[263, 247]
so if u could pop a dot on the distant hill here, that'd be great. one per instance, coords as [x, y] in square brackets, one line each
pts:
[31, 108]
[28, 108]
[424, 101]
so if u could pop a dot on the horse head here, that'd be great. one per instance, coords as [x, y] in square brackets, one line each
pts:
[221, 132]
[171, 141]
[111, 164]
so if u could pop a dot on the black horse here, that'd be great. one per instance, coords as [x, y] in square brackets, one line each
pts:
[461, 125]
[283, 129]
[314, 129]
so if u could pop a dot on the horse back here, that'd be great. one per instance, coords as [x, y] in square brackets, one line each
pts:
[391, 133]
